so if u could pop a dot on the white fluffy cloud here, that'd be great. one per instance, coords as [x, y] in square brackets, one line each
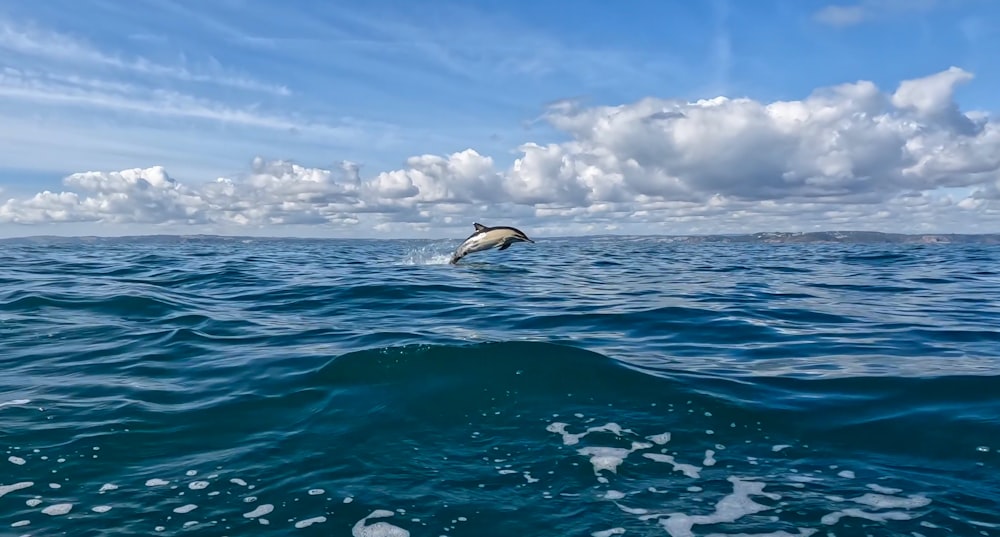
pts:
[848, 156]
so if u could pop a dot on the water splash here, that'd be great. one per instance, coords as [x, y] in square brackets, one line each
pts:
[438, 253]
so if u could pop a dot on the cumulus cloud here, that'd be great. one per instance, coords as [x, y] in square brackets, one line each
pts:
[848, 156]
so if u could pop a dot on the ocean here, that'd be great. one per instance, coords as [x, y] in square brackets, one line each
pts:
[597, 386]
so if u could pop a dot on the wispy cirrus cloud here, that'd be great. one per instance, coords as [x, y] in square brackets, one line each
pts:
[93, 104]
[842, 15]
[35, 86]
[38, 44]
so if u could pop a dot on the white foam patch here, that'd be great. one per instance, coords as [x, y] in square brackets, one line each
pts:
[34, 502]
[780, 447]
[58, 509]
[16, 460]
[310, 521]
[881, 501]
[709, 458]
[379, 529]
[659, 439]
[101, 508]
[185, 508]
[20, 523]
[198, 485]
[605, 458]
[608, 533]
[571, 439]
[238, 481]
[156, 482]
[316, 492]
[348, 499]
[191, 473]
[7, 489]
[15, 402]
[106, 487]
[884, 490]
[689, 470]
[729, 509]
[833, 518]
[846, 474]
[614, 495]
[260, 511]
[803, 532]
[632, 510]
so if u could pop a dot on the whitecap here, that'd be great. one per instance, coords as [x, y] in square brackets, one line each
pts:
[58, 509]
[689, 470]
[7, 489]
[729, 509]
[260, 511]
[379, 529]
[310, 521]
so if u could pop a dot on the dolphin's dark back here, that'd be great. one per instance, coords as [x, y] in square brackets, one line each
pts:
[485, 229]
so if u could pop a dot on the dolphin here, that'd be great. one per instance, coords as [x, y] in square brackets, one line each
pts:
[485, 238]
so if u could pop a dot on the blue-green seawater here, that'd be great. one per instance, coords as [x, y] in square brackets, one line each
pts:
[597, 386]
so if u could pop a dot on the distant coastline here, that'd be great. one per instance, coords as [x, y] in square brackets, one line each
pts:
[859, 237]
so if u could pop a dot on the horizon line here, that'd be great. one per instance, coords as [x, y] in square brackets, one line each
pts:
[651, 235]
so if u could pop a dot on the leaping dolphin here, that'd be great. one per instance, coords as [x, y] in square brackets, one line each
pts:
[485, 238]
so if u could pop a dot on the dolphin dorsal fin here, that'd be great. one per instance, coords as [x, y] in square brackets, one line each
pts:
[479, 227]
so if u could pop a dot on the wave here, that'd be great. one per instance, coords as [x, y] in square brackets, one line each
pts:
[570, 438]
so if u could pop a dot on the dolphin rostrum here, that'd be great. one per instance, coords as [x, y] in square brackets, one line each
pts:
[488, 237]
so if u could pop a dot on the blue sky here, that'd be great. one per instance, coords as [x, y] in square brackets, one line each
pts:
[202, 88]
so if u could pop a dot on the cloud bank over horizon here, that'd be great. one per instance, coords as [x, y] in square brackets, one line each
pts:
[849, 156]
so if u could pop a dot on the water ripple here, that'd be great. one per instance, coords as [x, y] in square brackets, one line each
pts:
[239, 386]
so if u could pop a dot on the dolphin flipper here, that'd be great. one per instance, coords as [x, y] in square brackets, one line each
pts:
[504, 246]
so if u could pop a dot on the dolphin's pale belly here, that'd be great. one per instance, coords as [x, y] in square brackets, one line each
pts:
[486, 238]
[482, 242]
